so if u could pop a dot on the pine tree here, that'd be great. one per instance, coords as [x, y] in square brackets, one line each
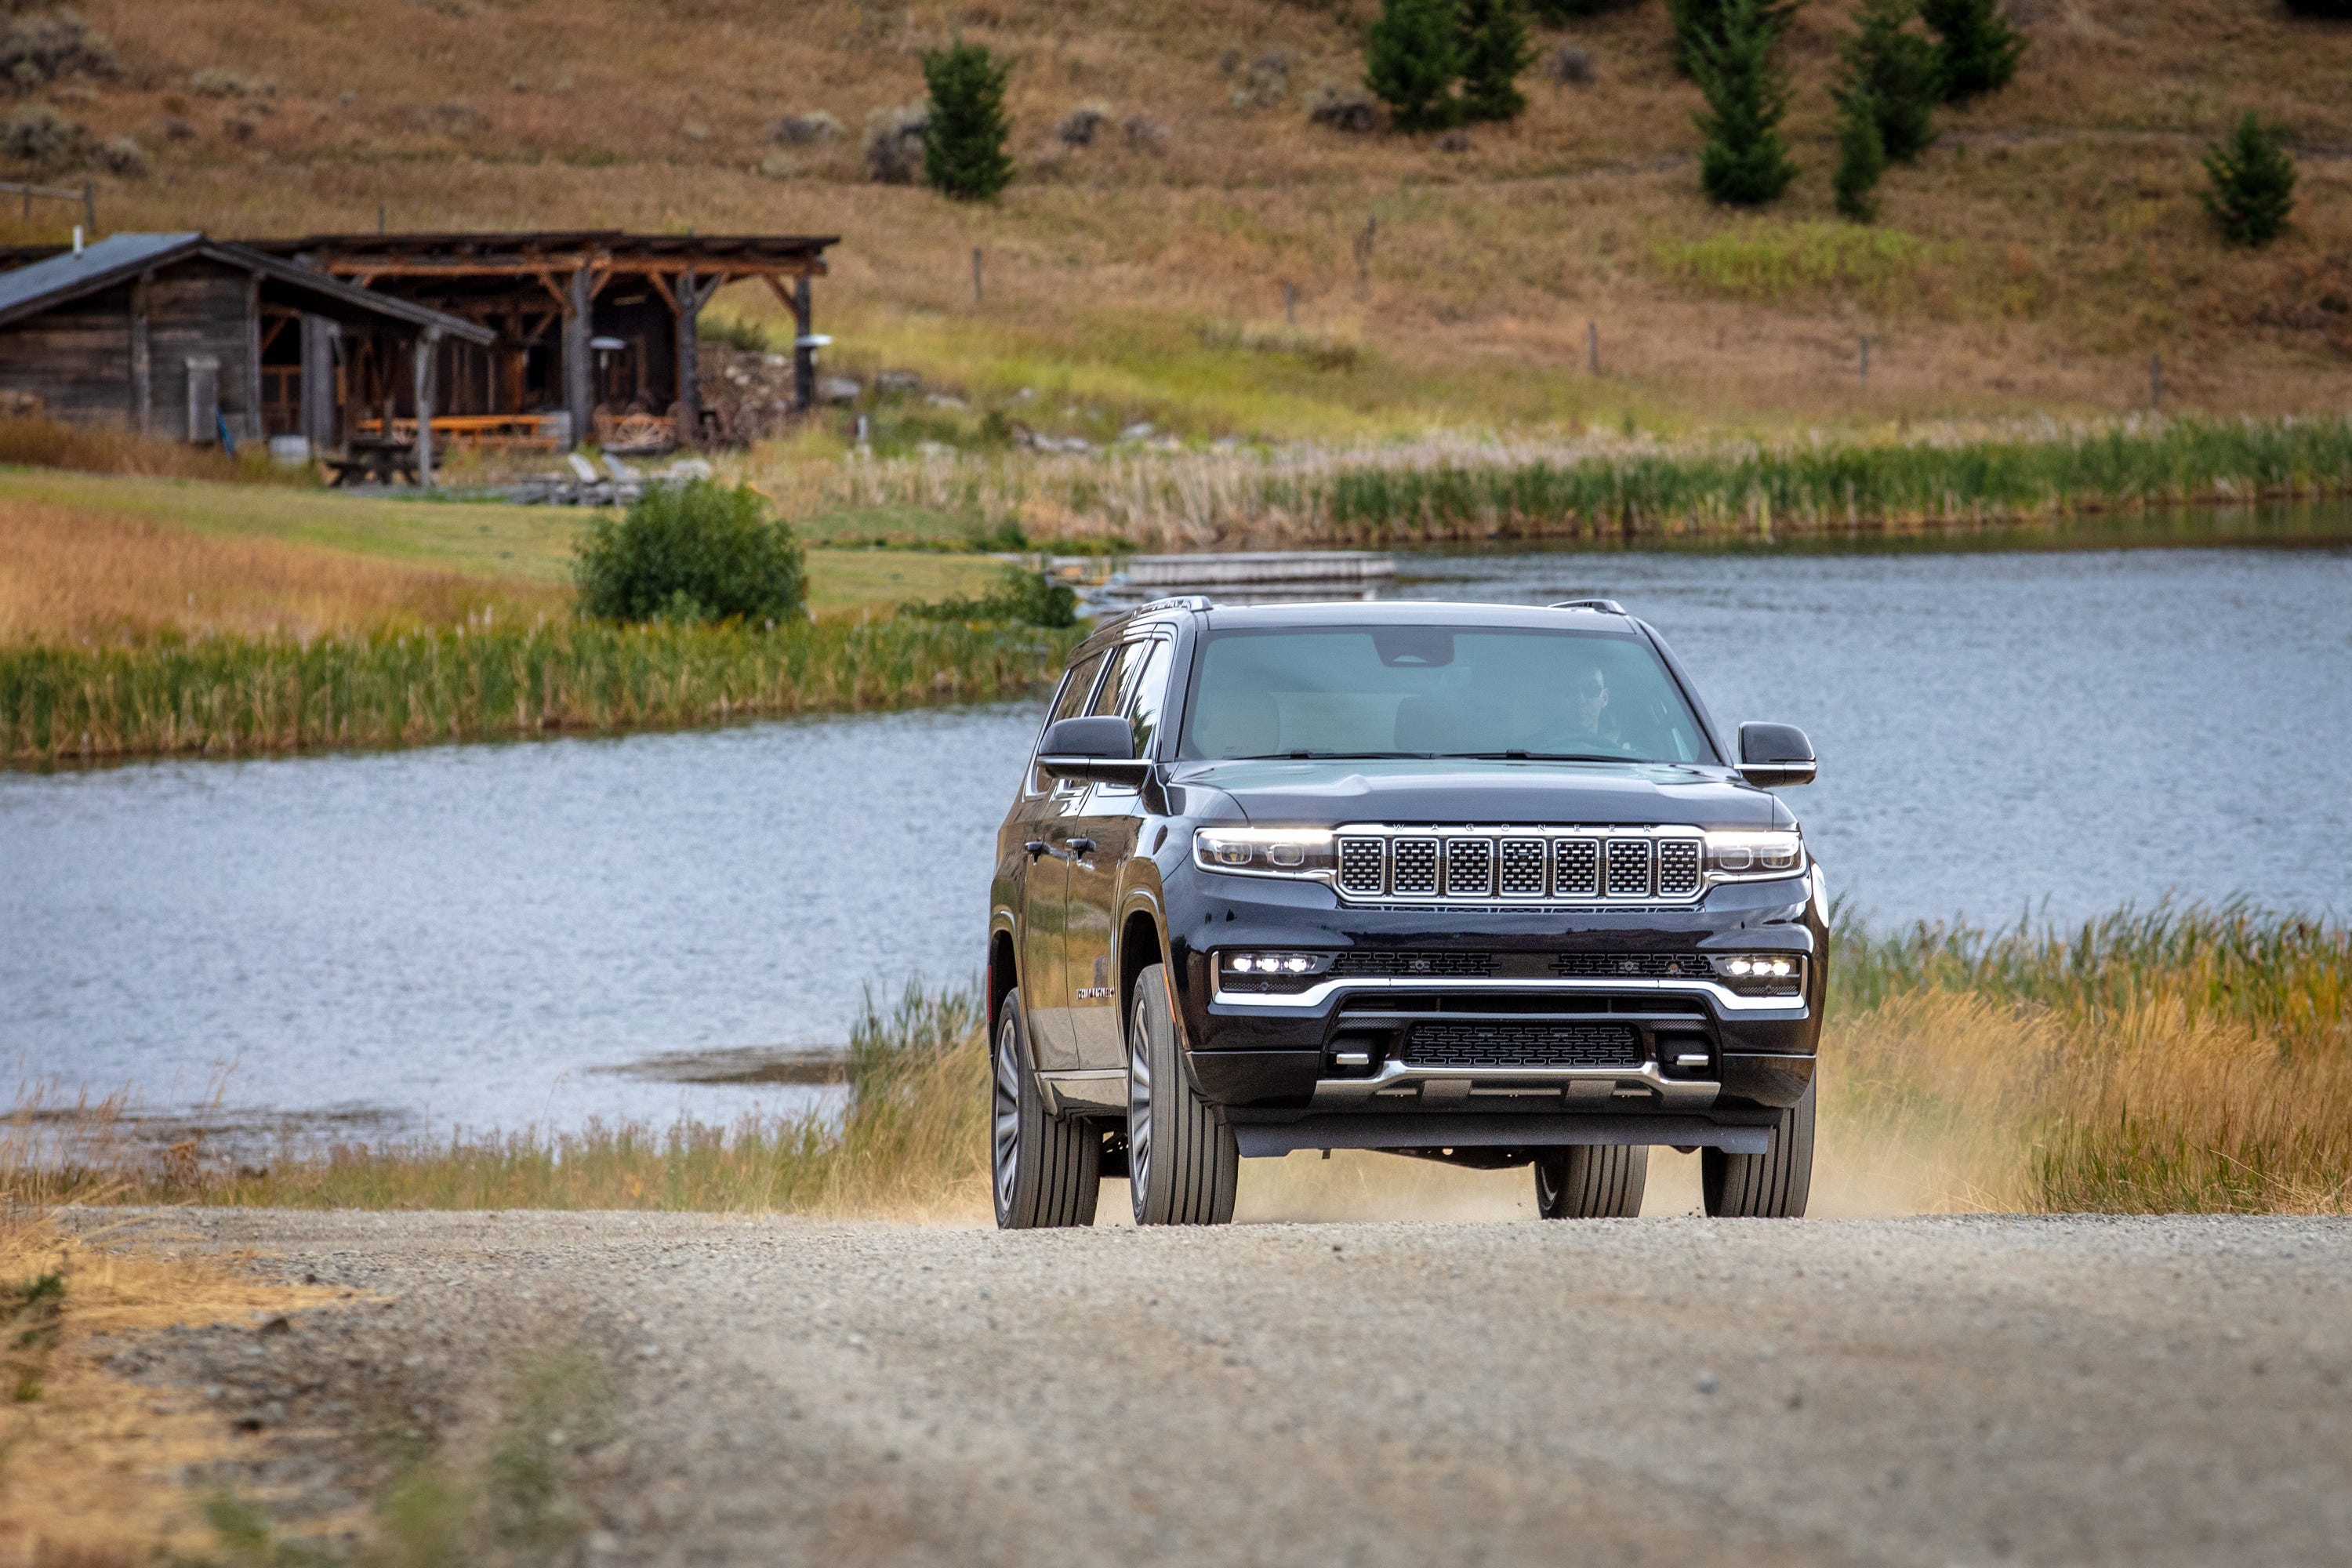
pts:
[1411, 56]
[1493, 43]
[2253, 182]
[1745, 162]
[1895, 72]
[963, 146]
[1700, 22]
[1861, 158]
[1977, 48]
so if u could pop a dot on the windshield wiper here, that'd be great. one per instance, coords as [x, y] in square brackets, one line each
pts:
[1542, 757]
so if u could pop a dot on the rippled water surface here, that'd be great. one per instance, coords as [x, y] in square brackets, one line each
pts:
[470, 934]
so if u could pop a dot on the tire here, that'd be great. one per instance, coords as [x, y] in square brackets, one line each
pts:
[1591, 1181]
[1182, 1162]
[1046, 1172]
[1774, 1185]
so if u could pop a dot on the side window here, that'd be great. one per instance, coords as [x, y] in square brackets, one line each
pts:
[1149, 696]
[1120, 688]
[1068, 704]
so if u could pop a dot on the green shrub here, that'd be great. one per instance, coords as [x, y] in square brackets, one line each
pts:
[1861, 158]
[1411, 56]
[1976, 47]
[691, 554]
[2253, 182]
[963, 145]
[1700, 23]
[1494, 50]
[1025, 596]
[1894, 74]
[1746, 162]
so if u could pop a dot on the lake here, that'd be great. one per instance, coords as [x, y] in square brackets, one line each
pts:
[540, 933]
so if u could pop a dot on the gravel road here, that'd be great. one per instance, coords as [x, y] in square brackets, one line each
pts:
[1923, 1391]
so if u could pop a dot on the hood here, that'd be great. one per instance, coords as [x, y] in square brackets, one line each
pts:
[1283, 793]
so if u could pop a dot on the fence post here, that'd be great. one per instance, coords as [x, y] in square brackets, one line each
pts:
[1289, 304]
[975, 275]
[1592, 348]
[1364, 255]
[89, 206]
[1866, 362]
[2156, 384]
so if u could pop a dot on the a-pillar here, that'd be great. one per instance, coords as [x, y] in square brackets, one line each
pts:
[579, 397]
[803, 351]
[427, 350]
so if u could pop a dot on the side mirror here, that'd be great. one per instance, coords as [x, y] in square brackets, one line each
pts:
[1775, 755]
[1101, 750]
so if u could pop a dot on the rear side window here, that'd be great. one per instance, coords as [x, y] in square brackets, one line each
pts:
[1120, 689]
[1068, 703]
[1144, 712]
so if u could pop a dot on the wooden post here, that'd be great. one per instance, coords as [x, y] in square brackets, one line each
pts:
[1592, 348]
[318, 383]
[804, 351]
[975, 276]
[579, 400]
[422, 354]
[688, 407]
[142, 356]
[2156, 384]
[1865, 364]
[256, 423]
[1289, 304]
[89, 206]
[1364, 255]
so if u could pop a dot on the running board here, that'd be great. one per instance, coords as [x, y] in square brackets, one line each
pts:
[1267, 1139]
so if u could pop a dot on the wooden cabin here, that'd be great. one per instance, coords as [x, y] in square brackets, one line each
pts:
[184, 338]
[593, 331]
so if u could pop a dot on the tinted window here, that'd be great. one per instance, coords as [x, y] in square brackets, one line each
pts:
[1120, 689]
[1068, 703]
[1150, 697]
[1438, 691]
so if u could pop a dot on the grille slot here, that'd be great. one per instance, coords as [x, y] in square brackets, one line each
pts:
[1522, 869]
[1469, 868]
[1362, 867]
[1576, 869]
[1629, 867]
[1677, 867]
[1528, 1044]
[1415, 865]
[1638, 965]
[1457, 965]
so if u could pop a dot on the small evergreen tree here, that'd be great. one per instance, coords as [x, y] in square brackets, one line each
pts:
[1699, 22]
[963, 145]
[1894, 73]
[1976, 47]
[2253, 182]
[1746, 162]
[1411, 56]
[1861, 158]
[1494, 47]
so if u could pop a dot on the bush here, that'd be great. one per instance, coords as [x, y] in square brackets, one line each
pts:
[1571, 64]
[40, 139]
[1977, 48]
[1080, 125]
[1347, 109]
[124, 156]
[39, 49]
[816, 130]
[1701, 23]
[690, 554]
[1894, 74]
[1025, 595]
[1494, 50]
[1745, 162]
[1411, 56]
[963, 147]
[2253, 182]
[1861, 158]
[1145, 134]
[893, 148]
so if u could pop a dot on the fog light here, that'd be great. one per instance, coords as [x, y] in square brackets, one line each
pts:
[1287, 966]
[1763, 973]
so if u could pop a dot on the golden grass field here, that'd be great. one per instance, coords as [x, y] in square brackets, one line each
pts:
[2031, 262]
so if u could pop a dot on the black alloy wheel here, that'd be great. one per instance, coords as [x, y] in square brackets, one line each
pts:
[1591, 1181]
[1048, 1170]
[1183, 1163]
[1774, 1185]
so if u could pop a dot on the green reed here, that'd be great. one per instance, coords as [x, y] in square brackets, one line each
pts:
[232, 696]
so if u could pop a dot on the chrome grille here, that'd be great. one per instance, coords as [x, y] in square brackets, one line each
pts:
[1576, 869]
[1629, 867]
[1362, 865]
[1677, 867]
[1522, 869]
[1415, 865]
[1469, 868]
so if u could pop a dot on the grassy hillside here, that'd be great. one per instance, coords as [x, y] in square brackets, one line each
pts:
[2031, 262]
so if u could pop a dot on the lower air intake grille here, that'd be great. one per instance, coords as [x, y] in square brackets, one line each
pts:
[1524, 1046]
[1360, 867]
[1637, 965]
[1458, 965]
[1416, 865]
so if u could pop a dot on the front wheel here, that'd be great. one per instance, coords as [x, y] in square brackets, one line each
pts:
[1048, 1170]
[1181, 1161]
[1591, 1181]
[1771, 1185]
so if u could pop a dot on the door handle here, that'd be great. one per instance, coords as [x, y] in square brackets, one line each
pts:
[1081, 847]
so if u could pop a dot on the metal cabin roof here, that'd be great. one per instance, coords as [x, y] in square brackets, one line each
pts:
[28, 290]
[526, 246]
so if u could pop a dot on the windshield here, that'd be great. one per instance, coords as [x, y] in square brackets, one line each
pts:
[1437, 691]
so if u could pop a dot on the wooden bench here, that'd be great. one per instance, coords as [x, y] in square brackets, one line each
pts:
[507, 432]
[374, 460]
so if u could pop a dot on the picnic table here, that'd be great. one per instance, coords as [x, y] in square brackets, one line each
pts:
[371, 459]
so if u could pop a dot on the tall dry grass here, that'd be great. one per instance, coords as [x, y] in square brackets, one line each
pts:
[38, 442]
[78, 575]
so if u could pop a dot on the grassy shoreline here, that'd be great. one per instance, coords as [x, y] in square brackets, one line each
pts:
[240, 696]
[2188, 1059]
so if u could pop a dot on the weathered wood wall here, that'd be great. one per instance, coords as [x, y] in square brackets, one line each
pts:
[75, 359]
[79, 358]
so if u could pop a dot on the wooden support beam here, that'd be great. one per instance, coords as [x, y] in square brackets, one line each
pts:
[318, 384]
[142, 356]
[256, 423]
[804, 351]
[579, 397]
[688, 410]
[564, 299]
[277, 324]
[661, 287]
[422, 355]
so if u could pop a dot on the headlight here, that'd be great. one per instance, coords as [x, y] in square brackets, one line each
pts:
[1753, 857]
[1271, 971]
[1266, 851]
[1762, 974]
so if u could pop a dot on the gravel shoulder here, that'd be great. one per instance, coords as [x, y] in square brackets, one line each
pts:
[1920, 1391]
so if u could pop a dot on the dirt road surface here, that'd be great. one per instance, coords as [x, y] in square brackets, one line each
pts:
[1938, 1392]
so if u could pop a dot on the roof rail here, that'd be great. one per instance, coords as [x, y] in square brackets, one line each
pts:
[1179, 601]
[1608, 607]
